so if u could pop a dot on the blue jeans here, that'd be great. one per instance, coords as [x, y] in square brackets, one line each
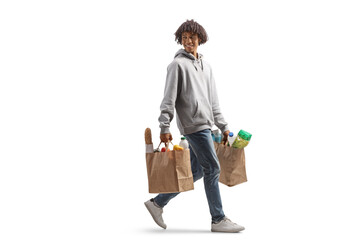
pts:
[204, 163]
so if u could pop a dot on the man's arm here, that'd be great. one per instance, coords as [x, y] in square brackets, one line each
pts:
[218, 117]
[168, 103]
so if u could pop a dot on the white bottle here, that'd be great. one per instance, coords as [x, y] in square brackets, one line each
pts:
[184, 143]
[231, 138]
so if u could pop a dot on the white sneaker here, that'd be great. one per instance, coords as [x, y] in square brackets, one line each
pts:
[156, 213]
[226, 225]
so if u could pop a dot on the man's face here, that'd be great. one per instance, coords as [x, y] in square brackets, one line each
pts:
[190, 41]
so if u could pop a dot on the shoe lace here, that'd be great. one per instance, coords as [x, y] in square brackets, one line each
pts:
[228, 220]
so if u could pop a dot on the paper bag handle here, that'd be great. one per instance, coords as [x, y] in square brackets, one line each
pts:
[166, 144]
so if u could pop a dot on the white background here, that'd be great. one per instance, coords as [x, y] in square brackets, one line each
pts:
[81, 80]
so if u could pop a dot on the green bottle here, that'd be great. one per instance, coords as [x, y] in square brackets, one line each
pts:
[242, 139]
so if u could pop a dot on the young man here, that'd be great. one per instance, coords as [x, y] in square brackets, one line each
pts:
[190, 89]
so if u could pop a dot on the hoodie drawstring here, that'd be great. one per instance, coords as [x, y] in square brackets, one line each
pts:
[194, 65]
[200, 63]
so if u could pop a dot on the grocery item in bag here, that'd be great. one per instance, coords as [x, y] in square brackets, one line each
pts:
[184, 143]
[178, 148]
[149, 148]
[242, 139]
[231, 138]
[217, 135]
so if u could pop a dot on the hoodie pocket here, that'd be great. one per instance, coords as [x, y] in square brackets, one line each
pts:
[203, 113]
[196, 112]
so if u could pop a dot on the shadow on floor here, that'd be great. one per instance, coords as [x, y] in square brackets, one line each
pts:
[178, 231]
[175, 231]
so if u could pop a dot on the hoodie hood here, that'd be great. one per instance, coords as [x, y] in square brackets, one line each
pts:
[196, 62]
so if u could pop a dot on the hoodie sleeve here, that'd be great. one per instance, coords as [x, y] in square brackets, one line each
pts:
[218, 117]
[170, 94]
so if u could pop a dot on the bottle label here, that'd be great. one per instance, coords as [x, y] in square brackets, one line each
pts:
[240, 143]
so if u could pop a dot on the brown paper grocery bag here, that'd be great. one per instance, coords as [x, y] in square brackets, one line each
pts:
[232, 164]
[169, 172]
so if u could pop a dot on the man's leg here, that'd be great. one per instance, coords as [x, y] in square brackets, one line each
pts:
[163, 198]
[155, 206]
[203, 147]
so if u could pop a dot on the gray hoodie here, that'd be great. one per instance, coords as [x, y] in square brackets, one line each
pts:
[190, 89]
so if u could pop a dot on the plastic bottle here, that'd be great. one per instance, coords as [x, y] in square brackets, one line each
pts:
[184, 143]
[217, 134]
[242, 139]
[231, 138]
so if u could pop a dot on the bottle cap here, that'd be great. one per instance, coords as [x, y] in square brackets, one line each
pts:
[183, 138]
[244, 135]
[231, 134]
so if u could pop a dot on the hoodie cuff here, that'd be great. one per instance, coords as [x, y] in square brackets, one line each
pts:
[164, 130]
[224, 129]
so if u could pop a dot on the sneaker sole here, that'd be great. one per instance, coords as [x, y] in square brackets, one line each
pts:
[233, 231]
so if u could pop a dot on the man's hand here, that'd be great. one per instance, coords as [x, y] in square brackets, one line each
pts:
[225, 137]
[166, 137]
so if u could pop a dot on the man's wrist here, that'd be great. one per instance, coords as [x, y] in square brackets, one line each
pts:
[224, 129]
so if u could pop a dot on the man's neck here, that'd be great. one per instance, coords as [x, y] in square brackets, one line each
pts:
[195, 54]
